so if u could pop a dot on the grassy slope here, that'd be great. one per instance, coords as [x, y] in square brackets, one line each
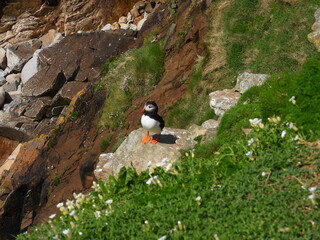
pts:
[247, 191]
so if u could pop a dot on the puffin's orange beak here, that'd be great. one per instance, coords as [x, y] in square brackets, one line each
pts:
[142, 110]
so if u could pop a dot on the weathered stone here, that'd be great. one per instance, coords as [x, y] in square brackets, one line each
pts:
[124, 26]
[221, 101]
[9, 160]
[28, 127]
[13, 134]
[67, 92]
[211, 123]
[140, 23]
[133, 27]
[115, 26]
[143, 156]
[140, 5]
[135, 13]
[44, 83]
[314, 37]
[123, 20]
[2, 81]
[149, 8]
[247, 80]
[2, 97]
[54, 111]
[106, 27]
[137, 20]
[6, 148]
[38, 109]
[31, 67]
[19, 54]
[10, 87]
[14, 78]
[3, 58]
[50, 38]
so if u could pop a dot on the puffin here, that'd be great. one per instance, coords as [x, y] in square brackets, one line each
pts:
[151, 121]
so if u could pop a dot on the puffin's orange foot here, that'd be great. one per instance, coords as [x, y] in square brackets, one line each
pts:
[146, 139]
[154, 141]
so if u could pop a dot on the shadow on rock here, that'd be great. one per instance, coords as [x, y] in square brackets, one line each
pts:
[168, 139]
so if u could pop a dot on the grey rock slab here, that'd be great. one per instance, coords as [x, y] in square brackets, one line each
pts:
[221, 101]
[3, 58]
[31, 67]
[38, 108]
[247, 80]
[19, 54]
[132, 152]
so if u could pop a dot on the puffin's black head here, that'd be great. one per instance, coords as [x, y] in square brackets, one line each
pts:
[150, 106]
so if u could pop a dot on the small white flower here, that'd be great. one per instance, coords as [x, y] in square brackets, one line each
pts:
[55, 237]
[80, 233]
[52, 216]
[72, 213]
[149, 163]
[155, 177]
[311, 197]
[198, 198]
[250, 141]
[249, 153]
[163, 237]
[283, 133]
[290, 125]
[263, 174]
[168, 167]
[146, 222]
[296, 138]
[293, 100]
[149, 181]
[99, 170]
[66, 231]
[303, 187]
[109, 202]
[59, 205]
[313, 189]
[256, 122]
[97, 214]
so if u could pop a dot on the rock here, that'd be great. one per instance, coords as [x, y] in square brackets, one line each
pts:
[211, 123]
[31, 67]
[247, 80]
[129, 17]
[135, 13]
[133, 27]
[122, 20]
[10, 159]
[2, 81]
[221, 101]
[67, 92]
[19, 54]
[106, 27]
[137, 20]
[10, 87]
[149, 8]
[314, 37]
[14, 78]
[115, 26]
[124, 26]
[38, 108]
[2, 97]
[50, 38]
[140, 23]
[143, 156]
[140, 5]
[3, 58]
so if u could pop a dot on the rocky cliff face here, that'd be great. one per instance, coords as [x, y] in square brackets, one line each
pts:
[54, 117]
[23, 20]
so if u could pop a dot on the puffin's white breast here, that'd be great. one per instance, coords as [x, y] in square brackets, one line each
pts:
[150, 124]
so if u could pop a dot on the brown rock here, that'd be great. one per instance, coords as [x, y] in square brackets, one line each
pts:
[38, 108]
[6, 148]
[135, 12]
[149, 8]
[115, 26]
[140, 5]
[123, 20]
[137, 20]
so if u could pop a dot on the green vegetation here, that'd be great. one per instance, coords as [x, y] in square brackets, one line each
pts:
[105, 143]
[131, 75]
[257, 180]
[74, 116]
[259, 36]
[254, 189]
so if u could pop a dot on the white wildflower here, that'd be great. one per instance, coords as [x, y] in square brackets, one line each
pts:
[313, 189]
[303, 187]
[263, 174]
[255, 122]
[55, 237]
[249, 153]
[80, 233]
[292, 100]
[146, 222]
[163, 237]
[97, 214]
[290, 125]
[52, 216]
[109, 202]
[72, 213]
[149, 163]
[59, 205]
[98, 170]
[250, 141]
[149, 181]
[296, 138]
[283, 133]
[198, 198]
[311, 197]
[66, 231]
[168, 167]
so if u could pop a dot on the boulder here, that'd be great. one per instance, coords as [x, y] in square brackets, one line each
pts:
[31, 67]
[115, 26]
[14, 78]
[140, 23]
[50, 38]
[314, 37]
[44, 83]
[132, 152]
[140, 5]
[19, 54]
[221, 101]
[10, 87]
[210, 124]
[106, 27]
[2, 97]
[134, 13]
[3, 58]
[247, 80]
[38, 108]
[124, 26]
[123, 20]
[133, 27]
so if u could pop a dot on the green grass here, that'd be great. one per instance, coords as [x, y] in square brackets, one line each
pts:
[227, 196]
[128, 76]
